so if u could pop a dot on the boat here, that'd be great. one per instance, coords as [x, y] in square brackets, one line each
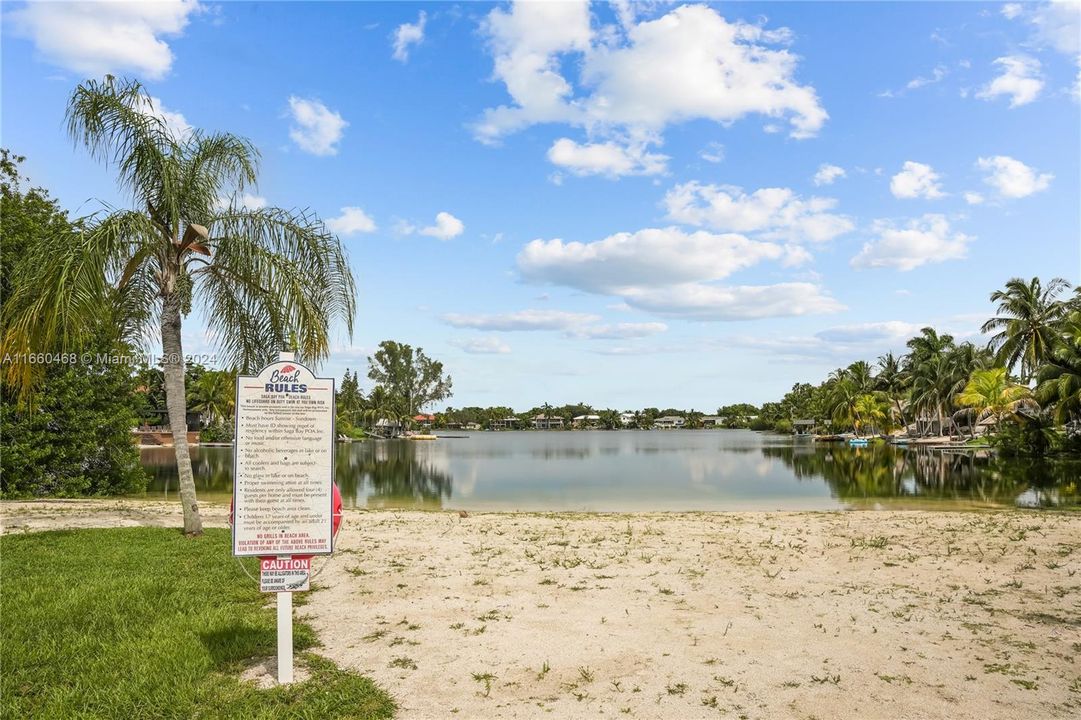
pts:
[858, 441]
[421, 437]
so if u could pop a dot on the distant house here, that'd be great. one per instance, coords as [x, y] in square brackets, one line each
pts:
[626, 418]
[545, 422]
[507, 423]
[669, 422]
[803, 427]
[586, 420]
[712, 421]
[471, 426]
[424, 421]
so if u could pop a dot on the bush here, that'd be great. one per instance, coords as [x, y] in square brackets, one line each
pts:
[1026, 436]
[219, 432]
[75, 439]
[783, 426]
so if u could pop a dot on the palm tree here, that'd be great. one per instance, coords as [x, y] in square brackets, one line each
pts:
[214, 395]
[266, 280]
[894, 381]
[1059, 380]
[991, 394]
[1025, 323]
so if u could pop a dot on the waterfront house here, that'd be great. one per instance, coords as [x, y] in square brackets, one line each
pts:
[626, 418]
[669, 422]
[424, 421]
[586, 420]
[803, 427]
[546, 422]
[712, 421]
[507, 423]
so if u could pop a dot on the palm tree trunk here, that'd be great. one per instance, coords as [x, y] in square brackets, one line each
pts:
[175, 402]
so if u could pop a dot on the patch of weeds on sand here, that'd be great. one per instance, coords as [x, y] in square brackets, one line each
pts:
[403, 663]
[677, 689]
[1026, 684]
[891, 679]
[545, 669]
[373, 636]
[486, 678]
[831, 679]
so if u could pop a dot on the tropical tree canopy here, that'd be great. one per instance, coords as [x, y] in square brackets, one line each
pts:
[264, 280]
[1024, 326]
[991, 393]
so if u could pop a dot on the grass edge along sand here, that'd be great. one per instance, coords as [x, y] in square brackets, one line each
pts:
[145, 623]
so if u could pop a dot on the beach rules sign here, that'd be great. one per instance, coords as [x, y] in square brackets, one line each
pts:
[283, 488]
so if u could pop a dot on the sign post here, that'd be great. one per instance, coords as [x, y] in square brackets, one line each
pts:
[283, 489]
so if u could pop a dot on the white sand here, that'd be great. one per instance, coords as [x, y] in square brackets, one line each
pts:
[756, 615]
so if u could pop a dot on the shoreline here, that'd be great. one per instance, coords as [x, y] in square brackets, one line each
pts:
[686, 615]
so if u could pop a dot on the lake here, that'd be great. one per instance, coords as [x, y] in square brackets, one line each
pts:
[656, 470]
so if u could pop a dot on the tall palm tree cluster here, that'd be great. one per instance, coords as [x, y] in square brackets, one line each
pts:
[1029, 371]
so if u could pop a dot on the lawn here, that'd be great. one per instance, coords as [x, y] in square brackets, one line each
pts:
[145, 623]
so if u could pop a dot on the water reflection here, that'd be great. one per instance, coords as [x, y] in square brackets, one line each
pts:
[683, 470]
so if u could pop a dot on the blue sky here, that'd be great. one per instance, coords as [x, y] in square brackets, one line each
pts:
[627, 204]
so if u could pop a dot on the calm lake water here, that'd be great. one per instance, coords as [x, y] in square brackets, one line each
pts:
[655, 470]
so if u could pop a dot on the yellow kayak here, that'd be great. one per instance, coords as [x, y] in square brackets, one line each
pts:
[421, 437]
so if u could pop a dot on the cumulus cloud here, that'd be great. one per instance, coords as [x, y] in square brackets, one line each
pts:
[1020, 79]
[522, 320]
[835, 344]
[609, 159]
[407, 35]
[650, 257]
[920, 241]
[828, 174]
[689, 64]
[482, 345]
[446, 227]
[1012, 178]
[778, 213]
[700, 301]
[96, 38]
[316, 128]
[351, 221]
[973, 198]
[916, 180]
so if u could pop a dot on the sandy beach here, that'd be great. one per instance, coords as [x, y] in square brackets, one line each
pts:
[745, 615]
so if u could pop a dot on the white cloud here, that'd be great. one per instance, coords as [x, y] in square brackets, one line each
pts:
[973, 198]
[650, 257]
[919, 241]
[244, 200]
[482, 346]
[96, 38]
[408, 35]
[777, 212]
[175, 123]
[699, 301]
[634, 81]
[713, 152]
[352, 220]
[317, 129]
[1058, 26]
[522, 320]
[835, 344]
[938, 74]
[608, 158]
[916, 180]
[1011, 10]
[619, 331]
[446, 227]
[1012, 178]
[828, 174]
[894, 330]
[1020, 79]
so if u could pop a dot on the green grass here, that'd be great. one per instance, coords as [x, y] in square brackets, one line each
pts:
[145, 623]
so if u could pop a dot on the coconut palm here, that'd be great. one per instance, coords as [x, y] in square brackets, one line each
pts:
[1059, 380]
[1024, 325]
[265, 280]
[214, 395]
[991, 394]
[894, 381]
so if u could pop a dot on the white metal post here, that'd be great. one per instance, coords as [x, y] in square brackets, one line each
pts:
[285, 638]
[285, 612]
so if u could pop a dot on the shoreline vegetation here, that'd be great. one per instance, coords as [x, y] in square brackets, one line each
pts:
[532, 615]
